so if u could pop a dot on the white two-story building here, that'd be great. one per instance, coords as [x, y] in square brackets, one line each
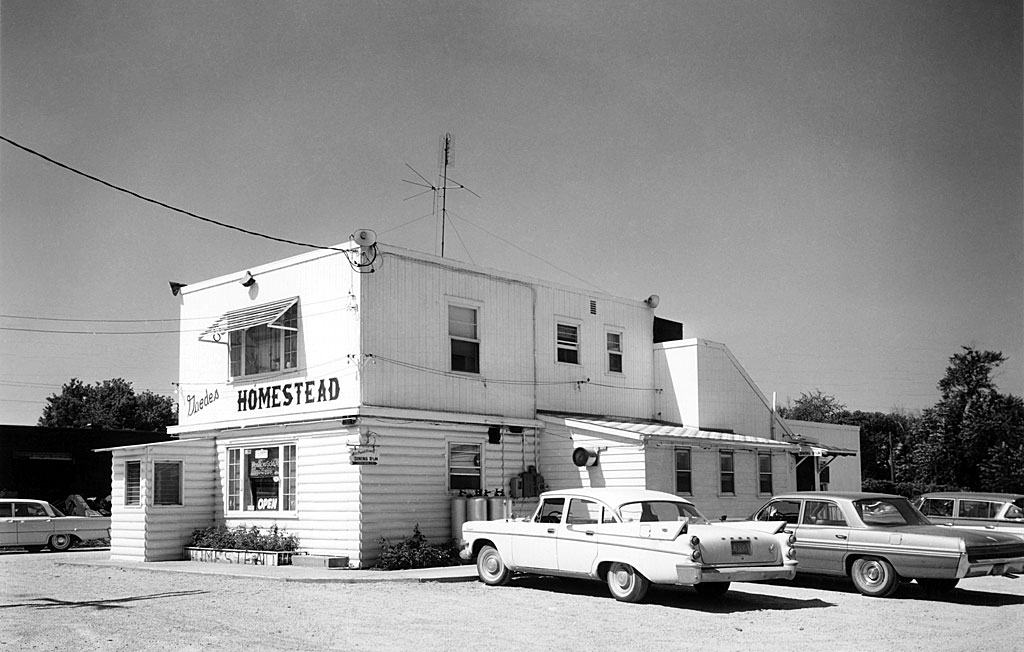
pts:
[348, 394]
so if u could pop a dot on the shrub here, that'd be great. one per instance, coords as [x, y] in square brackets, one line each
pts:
[222, 537]
[417, 552]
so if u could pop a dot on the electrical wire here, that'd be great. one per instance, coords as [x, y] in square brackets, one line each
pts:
[209, 220]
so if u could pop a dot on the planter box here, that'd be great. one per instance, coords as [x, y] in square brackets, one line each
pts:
[250, 557]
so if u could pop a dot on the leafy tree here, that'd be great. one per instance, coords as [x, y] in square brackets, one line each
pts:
[973, 437]
[111, 405]
[818, 407]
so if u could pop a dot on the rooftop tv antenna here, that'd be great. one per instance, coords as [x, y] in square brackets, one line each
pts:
[440, 189]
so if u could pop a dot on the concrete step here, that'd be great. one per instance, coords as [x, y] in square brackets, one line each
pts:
[320, 561]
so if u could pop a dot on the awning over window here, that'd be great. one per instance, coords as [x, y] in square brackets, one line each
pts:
[267, 314]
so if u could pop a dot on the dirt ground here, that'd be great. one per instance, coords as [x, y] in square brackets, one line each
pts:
[48, 604]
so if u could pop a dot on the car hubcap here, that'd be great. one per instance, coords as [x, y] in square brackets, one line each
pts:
[622, 579]
[491, 564]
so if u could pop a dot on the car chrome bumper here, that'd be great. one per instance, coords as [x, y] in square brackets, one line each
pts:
[995, 567]
[695, 574]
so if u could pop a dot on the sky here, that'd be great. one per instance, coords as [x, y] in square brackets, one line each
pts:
[832, 189]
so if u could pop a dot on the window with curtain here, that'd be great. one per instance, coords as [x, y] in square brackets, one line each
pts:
[262, 479]
[167, 483]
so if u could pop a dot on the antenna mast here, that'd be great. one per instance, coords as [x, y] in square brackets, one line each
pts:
[446, 155]
[441, 188]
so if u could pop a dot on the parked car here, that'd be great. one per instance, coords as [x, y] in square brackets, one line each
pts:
[35, 524]
[982, 511]
[879, 540]
[629, 538]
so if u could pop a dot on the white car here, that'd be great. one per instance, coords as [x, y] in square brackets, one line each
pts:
[630, 538]
[35, 524]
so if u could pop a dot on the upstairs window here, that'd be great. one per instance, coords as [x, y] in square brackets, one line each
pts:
[614, 346]
[567, 343]
[261, 339]
[464, 339]
[267, 348]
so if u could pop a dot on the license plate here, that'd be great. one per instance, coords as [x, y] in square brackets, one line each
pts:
[740, 547]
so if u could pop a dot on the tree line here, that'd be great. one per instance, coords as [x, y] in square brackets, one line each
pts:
[971, 440]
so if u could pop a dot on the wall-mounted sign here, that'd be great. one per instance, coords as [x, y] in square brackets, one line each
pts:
[288, 394]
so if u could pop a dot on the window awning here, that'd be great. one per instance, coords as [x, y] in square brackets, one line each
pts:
[267, 314]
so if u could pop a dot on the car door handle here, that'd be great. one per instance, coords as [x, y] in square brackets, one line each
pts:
[840, 536]
[589, 533]
[551, 530]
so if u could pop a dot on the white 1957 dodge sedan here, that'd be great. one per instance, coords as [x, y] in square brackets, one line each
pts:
[629, 538]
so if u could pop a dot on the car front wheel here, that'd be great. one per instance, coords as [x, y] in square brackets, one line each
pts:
[491, 568]
[625, 584]
[874, 577]
[60, 542]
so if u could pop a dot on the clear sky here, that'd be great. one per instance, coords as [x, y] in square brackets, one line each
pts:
[833, 189]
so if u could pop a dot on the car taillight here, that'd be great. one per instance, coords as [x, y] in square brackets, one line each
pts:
[791, 553]
[792, 539]
[695, 555]
[695, 541]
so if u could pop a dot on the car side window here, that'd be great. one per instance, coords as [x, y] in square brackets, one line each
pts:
[29, 509]
[819, 512]
[780, 510]
[937, 507]
[978, 509]
[6, 511]
[583, 512]
[550, 511]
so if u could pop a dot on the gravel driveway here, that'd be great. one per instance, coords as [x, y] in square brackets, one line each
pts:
[48, 604]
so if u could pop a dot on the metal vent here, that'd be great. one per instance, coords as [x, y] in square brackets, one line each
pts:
[593, 307]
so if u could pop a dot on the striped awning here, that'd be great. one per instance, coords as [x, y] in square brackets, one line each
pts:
[266, 314]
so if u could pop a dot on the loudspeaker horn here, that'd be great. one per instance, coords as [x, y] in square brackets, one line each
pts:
[364, 237]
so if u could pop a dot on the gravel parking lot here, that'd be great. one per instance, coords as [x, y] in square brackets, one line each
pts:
[50, 604]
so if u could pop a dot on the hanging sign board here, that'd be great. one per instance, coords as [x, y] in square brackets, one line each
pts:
[363, 456]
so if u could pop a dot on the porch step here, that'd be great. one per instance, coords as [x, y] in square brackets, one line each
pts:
[320, 561]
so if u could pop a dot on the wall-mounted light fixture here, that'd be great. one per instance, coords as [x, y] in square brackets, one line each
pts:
[176, 287]
[248, 280]
[653, 300]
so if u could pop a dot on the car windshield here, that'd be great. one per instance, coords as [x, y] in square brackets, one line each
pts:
[889, 512]
[647, 511]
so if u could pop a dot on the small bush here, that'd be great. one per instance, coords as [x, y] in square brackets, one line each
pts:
[417, 552]
[221, 537]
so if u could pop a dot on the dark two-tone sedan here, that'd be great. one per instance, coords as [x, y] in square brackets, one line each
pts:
[879, 540]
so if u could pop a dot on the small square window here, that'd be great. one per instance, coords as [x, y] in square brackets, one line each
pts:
[167, 483]
[464, 468]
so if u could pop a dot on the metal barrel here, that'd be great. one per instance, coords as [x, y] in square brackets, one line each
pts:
[498, 508]
[458, 516]
[476, 509]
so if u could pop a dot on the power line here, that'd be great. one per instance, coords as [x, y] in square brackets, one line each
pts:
[165, 205]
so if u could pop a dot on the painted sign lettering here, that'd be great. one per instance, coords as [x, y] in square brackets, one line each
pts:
[197, 404]
[288, 394]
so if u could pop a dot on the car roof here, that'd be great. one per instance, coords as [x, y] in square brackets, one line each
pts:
[615, 495]
[973, 495]
[848, 495]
